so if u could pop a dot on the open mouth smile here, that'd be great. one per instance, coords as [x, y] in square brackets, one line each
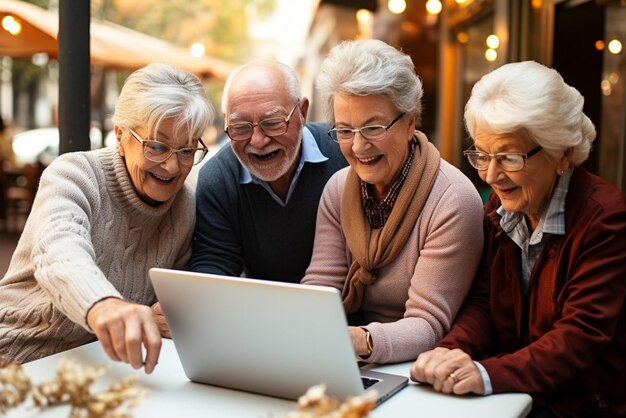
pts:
[370, 160]
[263, 157]
[162, 179]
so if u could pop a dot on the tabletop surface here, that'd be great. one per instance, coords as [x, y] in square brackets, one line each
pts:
[171, 394]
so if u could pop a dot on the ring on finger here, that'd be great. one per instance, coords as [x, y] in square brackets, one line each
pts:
[453, 376]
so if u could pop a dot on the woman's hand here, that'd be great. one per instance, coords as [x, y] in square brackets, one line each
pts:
[359, 343]
[448, 371]
[122, 327]
[160, 320]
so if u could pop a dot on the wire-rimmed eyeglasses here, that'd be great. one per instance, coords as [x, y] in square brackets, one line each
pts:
[158, 152]
[242, 131]
[509, 161]
[370, 132]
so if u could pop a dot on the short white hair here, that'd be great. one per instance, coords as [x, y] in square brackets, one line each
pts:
[529, 99]
[289, 75]
[370, 67]
[158, 92]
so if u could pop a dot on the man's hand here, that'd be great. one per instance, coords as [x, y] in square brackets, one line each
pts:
[122, 327]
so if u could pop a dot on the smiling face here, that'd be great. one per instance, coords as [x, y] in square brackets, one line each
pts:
[375, 162]
[154, 182]
[257, 94]
[528, 190]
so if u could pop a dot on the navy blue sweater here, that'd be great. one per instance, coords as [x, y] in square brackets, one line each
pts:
[240, 228]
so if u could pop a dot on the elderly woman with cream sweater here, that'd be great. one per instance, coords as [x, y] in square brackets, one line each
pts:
[100, 220]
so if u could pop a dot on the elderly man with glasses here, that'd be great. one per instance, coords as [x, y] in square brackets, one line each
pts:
[257, 199]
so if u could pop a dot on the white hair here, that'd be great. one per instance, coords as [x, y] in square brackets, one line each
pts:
[529, 99]
[289, 76]
[370, 67]
[159, 91]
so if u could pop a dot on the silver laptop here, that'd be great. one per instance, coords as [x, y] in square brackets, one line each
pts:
[272, 338]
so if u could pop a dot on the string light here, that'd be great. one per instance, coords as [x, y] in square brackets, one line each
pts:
[433, 7]
[493, 41]
[396, 6]
[491, 54]
[11, 25]
[197, 50]
[614, 46]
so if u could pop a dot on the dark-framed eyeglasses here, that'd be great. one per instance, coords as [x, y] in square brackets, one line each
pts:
[158, 152]
[370, 132]
[242, 131]
[509, 161]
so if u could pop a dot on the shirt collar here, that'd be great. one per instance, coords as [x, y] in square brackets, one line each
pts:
[311, 153]
[377, 212]
[553, 219]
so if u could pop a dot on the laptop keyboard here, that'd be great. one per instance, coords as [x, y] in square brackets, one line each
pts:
[368, 382]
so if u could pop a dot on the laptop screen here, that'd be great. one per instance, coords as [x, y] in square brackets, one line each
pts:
[260, 336]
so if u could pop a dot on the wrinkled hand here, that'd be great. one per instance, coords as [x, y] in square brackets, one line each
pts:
[122, 327]
[357, 335]
[436, 366]
[157, 312]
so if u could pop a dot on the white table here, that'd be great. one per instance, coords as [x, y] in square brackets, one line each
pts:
[173, 395]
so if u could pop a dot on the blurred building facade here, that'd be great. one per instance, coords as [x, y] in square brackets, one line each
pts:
[582, 39]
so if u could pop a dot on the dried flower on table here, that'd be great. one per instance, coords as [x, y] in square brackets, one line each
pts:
[14, 386]
[316, 404]
[71, 385]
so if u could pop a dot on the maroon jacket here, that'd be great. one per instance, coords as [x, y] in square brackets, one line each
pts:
[564, 342]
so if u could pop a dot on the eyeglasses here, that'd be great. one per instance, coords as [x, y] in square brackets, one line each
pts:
[370, 133]
[242, 131]
[513, 161]
[158, 152]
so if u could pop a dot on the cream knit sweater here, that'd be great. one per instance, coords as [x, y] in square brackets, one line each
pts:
[89, 236]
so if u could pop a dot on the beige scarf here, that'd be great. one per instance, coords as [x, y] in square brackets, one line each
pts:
[373, 249]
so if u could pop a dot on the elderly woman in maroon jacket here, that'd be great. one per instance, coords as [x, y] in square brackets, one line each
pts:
[546, 313]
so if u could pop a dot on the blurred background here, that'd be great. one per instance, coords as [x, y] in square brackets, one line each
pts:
[452, 43]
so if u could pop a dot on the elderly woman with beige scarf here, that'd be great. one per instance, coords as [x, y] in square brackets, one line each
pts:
[399, 232]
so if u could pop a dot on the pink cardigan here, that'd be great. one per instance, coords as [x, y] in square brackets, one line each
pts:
[414, 299]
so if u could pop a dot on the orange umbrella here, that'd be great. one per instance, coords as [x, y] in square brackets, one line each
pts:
[111, 45]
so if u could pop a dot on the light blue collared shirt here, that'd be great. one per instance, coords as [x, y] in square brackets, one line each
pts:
[310, 154]
[552, 222]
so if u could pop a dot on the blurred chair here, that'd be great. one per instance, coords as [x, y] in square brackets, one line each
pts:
[19, 186]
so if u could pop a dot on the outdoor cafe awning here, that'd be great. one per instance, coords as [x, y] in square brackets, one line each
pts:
[111, 45]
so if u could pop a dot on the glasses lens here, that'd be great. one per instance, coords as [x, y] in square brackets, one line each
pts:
[239, 131]
[199, 156]
[187, 156]
[478, 160]
[508, 162]
[273, 127]
[156, 151]
[373, 132]
[511, 162]
[341, 135]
